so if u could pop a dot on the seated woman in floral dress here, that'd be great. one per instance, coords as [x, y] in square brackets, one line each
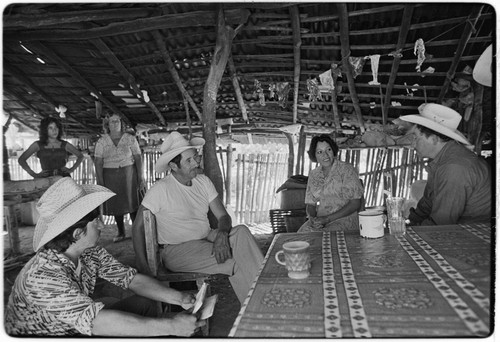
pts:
[334, 191]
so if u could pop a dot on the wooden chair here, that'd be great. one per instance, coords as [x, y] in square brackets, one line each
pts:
[158, 270]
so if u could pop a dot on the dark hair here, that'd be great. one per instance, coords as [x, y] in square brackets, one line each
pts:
[314, 143]
[62, 241]
[44, 129]
[177, 160]
[428, 132]
[105, 123]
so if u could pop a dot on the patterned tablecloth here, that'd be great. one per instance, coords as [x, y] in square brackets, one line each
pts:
[432, 282]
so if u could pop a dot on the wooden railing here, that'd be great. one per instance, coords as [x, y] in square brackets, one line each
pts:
[254, 178]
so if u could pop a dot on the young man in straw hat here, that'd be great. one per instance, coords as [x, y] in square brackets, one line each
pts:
[459, 184]
[180, 202]
[52, 294]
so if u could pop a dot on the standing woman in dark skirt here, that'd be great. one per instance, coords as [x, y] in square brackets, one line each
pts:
[52, 151]
[118, 167]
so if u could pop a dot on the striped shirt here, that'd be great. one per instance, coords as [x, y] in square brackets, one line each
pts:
[52, 297]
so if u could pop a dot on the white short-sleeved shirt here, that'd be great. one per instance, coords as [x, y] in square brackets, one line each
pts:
[120, 155]
[181, 210]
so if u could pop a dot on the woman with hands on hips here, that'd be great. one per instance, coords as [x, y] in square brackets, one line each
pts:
[118, 167]
[334, 191]
[52, 151]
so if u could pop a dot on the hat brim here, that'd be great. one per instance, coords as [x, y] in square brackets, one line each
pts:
[162, 162]
[420, 120]
[46, 230]
[482, 73]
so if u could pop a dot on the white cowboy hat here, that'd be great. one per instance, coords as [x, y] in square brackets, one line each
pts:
[482, 70]
[173, 145]
[64, 204]
[439, 118]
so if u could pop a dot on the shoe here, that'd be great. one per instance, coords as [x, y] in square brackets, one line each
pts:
[120, 238]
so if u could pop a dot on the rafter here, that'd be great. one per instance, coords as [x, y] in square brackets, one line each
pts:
[237, 89]
[78, 77]
[178, 20]
[175, 75]
[130, 79]
[466, 34]
[22, 100]
[346, 52]
[37, 20]
[403, 33]
[18, 74]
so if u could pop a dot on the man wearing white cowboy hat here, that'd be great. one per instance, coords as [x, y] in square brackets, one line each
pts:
[52, 294]
[459, 183]
[180, 202]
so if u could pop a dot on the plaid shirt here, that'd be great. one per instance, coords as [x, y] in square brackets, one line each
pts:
[51, 298]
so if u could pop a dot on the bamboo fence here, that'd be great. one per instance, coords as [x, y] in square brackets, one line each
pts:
[251, 180]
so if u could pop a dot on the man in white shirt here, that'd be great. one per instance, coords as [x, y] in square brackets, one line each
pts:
[180, 202]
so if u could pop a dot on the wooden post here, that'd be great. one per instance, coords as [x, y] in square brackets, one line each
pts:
[475, 122]
[299, 168]
[237, 207]
[297, 42]
[229, 163]
[225, 35]
[290, 154]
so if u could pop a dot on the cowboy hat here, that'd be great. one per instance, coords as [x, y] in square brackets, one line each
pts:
[482, 70]
[173, 145]
[440, 119]
[64, 204]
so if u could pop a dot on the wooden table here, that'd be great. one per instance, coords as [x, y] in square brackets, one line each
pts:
[432, 282]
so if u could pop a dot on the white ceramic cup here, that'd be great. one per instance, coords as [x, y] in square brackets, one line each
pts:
[371, 223]
[297, 260]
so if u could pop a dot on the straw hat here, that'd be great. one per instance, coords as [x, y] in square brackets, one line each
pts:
[439, 118]
[64, 204]
[482, 70]
[174, 145]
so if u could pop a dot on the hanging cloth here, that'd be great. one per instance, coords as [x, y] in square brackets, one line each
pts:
[313, 90]
[419, 51]
[327, 79]
[282, 88]
[374, 60]
[260, 92]
[357, 64]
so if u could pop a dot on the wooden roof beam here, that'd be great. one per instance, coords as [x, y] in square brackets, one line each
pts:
[297, 42]
[23, 122]
[466, 34]
[403, 33]
[175, 75]
[36, 20]
[15, 72]
[346, 52]
[177, 20]
[237, 89]
[22, 100]
[115, 62]
[76, 75]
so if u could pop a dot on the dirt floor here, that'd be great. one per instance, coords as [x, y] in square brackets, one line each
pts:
[226, 308]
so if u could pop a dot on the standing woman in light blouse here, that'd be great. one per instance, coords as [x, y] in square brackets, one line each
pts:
[119, 168]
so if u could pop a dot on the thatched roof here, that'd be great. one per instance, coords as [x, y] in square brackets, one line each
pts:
[149, 61]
